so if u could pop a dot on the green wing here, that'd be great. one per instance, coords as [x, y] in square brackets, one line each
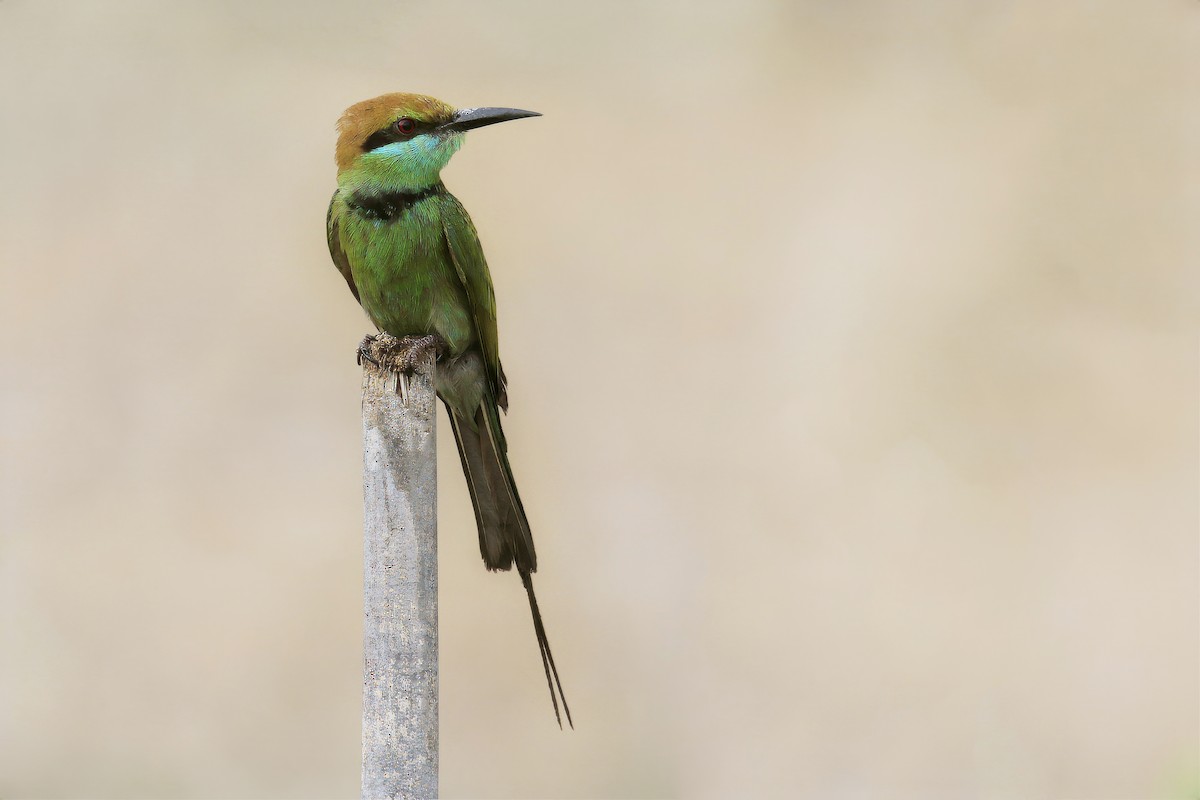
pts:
[467, 255]
[335, 247]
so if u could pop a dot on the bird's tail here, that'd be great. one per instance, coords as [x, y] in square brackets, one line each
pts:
[504, 535]
[547, 656]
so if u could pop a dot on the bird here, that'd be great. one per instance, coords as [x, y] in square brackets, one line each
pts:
[412, 258]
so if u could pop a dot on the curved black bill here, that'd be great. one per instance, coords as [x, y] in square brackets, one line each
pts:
[469, 118]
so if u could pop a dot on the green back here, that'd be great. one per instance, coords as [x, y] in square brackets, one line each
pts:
[423, 272]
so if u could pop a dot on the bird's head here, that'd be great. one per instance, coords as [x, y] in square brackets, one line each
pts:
[401, 141]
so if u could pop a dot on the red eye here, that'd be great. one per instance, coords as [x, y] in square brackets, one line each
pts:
[405, 126]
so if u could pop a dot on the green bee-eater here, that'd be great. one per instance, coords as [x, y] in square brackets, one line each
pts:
[412, 258]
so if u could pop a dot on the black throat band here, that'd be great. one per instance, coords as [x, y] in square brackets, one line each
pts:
[388, 206]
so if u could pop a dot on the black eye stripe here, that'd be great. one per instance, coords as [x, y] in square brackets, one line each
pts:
[386, 136]
[380, 138]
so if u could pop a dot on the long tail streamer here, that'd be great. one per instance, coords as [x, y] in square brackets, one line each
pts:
[547, 656]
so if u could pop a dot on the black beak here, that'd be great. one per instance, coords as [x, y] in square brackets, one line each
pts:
[469, 118]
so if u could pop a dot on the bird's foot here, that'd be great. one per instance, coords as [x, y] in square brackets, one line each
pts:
[411, 350]
[408, 353]
[400, 356]
[364, 351]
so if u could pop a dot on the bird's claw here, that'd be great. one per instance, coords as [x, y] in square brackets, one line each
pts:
[364, 351]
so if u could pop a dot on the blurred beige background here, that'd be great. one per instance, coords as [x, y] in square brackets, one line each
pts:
[853, 367]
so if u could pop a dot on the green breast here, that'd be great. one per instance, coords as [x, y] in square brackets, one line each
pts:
[406, 280]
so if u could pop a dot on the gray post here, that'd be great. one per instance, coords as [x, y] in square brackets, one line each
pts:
[400, 634]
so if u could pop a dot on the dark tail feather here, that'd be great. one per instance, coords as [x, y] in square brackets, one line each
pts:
[504, 535]
[547, 656]
[469, 454]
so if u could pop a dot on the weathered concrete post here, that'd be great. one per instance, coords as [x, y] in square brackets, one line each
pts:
[400, 634]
